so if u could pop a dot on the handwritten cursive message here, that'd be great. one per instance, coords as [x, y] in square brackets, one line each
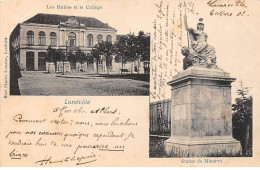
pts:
[228, 8]
[167, 41]
[70, 134]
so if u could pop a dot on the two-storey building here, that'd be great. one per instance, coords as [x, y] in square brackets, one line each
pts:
[30, 39]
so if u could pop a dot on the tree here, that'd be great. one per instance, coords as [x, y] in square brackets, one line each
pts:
[49, 54]
[242, 120]
[103, 49]
[120, 50]
[90, 58]
[81, 57]
[144, 46]
[95, 53]
[73, 59]
[130, 48]
[127, 48]
[133, 48]
[54, 55]
[61, 56]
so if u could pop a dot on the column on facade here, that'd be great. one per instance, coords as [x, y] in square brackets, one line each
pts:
[85, 39]
[80, 35]
[94, 38]
[61, 36]
[78, 38]
[82, 38]
[65, 37]
[36, 61]
[23, 59]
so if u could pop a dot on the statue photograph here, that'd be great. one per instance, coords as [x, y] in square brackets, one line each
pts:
[198, 117]
[199, 52]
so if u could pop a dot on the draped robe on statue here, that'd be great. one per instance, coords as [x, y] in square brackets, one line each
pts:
[200, 47]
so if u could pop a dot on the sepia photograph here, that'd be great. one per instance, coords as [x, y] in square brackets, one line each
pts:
[192, 113]
[61, 55]
[129, 83]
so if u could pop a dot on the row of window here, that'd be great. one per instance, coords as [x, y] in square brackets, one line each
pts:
[71, 38]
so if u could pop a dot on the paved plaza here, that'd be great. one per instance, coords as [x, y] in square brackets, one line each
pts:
[35, 83]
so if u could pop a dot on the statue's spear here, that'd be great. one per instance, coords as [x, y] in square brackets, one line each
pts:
[184, 5]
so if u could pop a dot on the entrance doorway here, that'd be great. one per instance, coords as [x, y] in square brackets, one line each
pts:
[29, 61]
[41, 61]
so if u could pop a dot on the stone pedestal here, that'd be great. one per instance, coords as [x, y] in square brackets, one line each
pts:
[201, 118]
[51, 68]
[66, 67]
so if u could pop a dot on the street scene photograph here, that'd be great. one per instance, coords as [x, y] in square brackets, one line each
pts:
[65, 55]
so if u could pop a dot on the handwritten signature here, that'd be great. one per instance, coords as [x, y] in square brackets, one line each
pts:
[79, 160]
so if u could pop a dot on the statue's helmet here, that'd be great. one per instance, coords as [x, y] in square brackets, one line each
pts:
[200, 24]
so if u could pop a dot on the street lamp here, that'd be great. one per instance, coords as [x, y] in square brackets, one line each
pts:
[65, 58]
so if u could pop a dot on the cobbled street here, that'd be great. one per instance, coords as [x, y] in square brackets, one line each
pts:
[41, 83]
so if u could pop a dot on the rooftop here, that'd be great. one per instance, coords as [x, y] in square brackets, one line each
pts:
[54, 19]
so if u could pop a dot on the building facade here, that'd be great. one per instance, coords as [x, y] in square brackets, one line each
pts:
[30, 39]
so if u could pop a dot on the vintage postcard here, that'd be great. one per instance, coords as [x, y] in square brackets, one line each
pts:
[122, 83]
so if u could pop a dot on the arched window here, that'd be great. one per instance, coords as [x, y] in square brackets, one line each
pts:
[53, 38]
[30, 37]
[72, 39]
[42, 38]
[99, 38]
[90, 40]
[109, 38]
